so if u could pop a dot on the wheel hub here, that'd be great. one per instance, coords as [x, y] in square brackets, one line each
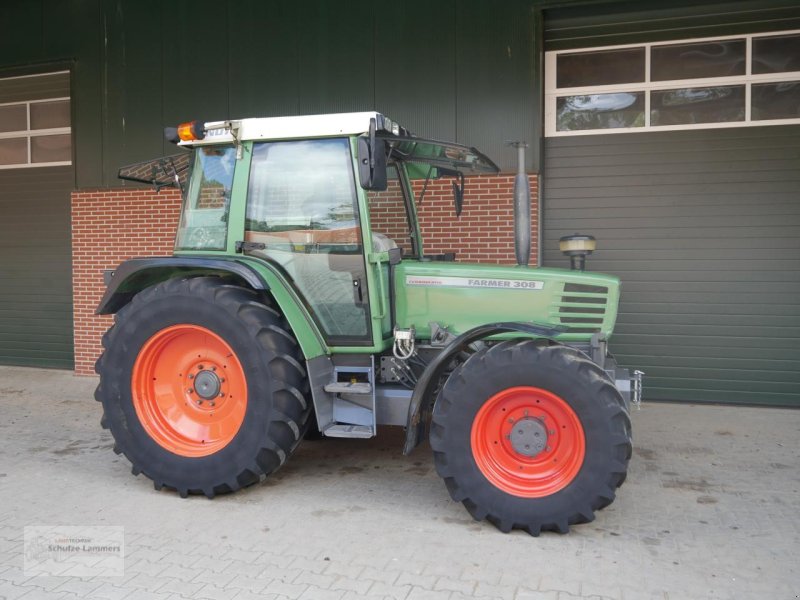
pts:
[207, 385]
[528, 436]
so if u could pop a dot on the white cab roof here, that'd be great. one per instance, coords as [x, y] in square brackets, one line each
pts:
[282, 128]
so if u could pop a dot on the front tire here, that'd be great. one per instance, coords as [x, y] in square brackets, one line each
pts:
[202, 386]
[531, 436]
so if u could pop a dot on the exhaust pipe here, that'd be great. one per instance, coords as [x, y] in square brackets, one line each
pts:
[522, 208]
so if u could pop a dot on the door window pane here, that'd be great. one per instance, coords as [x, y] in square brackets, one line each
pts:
[600, 111]
[388, 217]
[51, 148]
[776, 54]
[13, 118]
[13, 151]
[723, 58]
[776, 100]
[204, 219]
[48, 115]
[606, 67]
[697, 105]
[301, 204]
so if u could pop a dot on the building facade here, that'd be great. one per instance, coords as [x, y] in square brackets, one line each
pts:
[669, 132]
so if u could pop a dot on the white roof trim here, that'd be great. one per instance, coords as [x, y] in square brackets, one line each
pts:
[284, 128]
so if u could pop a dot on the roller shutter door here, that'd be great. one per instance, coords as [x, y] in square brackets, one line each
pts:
[35, 249]
[35, 267]
[703, 228]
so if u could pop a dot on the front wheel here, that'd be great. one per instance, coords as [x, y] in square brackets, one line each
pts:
[202, 386]
[531, 436]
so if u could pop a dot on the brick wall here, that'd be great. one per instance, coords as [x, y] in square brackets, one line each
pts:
[110, 226]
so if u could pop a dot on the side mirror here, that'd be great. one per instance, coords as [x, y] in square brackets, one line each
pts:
[458, 197]
[372, 161]
[458, 187]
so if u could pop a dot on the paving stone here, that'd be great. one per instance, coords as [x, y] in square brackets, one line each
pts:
[387, 576]
[418, 593]
[290, 590]
[9, 591]
[454, 585]
[213, 592]
[344, 570]
[529, 594]
[398, 592]
[359, 586]
[107, 591]
[315, 593]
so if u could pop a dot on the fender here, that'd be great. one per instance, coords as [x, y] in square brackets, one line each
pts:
[134, 275]
[421, 402]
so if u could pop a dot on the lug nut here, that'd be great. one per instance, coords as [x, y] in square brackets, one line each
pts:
[200, 367]
[191, 376]
[190, 391]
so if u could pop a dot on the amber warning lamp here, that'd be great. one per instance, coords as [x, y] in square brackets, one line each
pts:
[577, 247]
[185, 132]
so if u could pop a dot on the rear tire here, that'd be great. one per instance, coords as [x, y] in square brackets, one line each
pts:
[531, 436]
[203, 386]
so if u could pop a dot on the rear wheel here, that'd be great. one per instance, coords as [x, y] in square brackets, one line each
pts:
[531, 436]
[202, 386]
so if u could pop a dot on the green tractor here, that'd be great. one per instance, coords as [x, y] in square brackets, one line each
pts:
[300, 303]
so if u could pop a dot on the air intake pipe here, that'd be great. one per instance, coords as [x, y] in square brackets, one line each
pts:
[522, 208]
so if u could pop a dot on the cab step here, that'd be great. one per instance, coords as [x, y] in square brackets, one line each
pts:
[341, 430]
[346, 387]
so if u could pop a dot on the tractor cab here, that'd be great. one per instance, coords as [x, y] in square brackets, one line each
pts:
[326, 201]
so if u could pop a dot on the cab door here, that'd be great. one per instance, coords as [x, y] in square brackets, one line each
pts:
[302, 215]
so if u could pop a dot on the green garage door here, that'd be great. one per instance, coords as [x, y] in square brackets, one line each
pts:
[35, 267]
[703, 228]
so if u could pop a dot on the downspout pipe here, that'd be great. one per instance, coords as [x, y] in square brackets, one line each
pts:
[522, 208]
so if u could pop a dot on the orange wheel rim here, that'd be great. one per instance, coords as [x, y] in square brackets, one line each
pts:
[528, 442]
[189, 390]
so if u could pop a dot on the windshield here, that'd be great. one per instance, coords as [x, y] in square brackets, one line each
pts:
[206, 201]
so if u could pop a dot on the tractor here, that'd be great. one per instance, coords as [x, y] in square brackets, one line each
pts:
[300, 303]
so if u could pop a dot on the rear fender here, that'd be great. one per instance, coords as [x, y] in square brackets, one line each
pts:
[133, 276]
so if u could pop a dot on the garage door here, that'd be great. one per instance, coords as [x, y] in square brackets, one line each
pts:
[36, 178]
[703, 228]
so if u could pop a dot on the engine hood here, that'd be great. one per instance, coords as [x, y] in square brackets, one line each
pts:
[461, 296]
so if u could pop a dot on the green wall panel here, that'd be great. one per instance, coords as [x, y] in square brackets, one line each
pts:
[415, 75]
[21, 27]
[495, 65]
[466, 70]
[35, 267]
[264, 64]
[603, 24]
[336, 59]
[703, 228]
[194, 41]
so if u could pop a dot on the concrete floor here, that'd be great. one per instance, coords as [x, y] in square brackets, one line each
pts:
[709, 510]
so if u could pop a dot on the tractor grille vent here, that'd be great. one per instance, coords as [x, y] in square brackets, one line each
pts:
[582, 307]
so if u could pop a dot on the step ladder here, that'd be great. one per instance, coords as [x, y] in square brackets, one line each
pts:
[353, 414]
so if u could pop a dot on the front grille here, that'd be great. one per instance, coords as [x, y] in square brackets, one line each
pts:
[581, 307]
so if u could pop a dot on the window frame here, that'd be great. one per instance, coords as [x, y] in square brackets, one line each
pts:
[27, 134]
[551, 92]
